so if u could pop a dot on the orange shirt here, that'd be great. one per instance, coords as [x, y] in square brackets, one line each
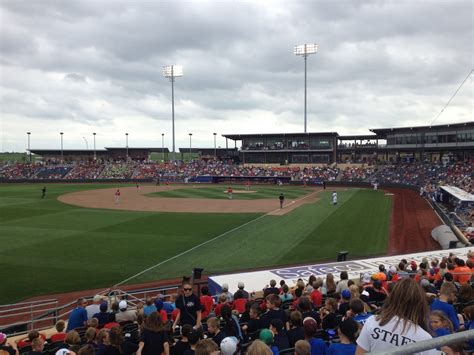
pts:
[464, 275]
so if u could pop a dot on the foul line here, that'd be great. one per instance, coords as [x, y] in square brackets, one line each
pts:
[206, 242]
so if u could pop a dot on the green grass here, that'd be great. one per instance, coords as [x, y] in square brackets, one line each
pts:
[50, 247]
[220, 192]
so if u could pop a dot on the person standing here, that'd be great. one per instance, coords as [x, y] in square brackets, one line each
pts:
[43, 192]
[282, 200]
[334, 198]
[189, 307]
[229, 192]
[117, 196]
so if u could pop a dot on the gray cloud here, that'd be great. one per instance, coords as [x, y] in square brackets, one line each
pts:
[98, 65]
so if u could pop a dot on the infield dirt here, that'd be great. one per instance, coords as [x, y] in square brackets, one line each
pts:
[136, 199]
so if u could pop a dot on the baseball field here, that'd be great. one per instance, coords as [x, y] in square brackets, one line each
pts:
[77, 237]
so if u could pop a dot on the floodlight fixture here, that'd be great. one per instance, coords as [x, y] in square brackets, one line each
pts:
[304, 50]
[171, 72]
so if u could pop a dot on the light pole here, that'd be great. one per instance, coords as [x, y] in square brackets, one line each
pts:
[304, 50]
[163, 146]
[190, 135]
[95, 156]
[29, 151]
[126, 145]
[171, 72]
[215, 151]
[62, 153]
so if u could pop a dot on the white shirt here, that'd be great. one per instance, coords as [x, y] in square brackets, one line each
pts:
[334, 197]
[377, 338]
[92, 309]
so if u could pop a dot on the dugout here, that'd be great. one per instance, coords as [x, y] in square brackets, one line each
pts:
[457, 197]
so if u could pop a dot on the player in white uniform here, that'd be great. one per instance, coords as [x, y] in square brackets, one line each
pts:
[334, 198]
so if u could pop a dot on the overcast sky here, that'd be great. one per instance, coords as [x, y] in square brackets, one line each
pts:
[96, 66]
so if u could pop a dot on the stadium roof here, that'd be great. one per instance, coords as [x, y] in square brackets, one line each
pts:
[239, 137]
[91, 151]
[197, 150]
[362, 136]
[382, 131]
[458, 193]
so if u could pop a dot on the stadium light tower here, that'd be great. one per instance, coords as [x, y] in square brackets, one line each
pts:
[163, 146]
[62, 153]
[95, 156]
[171, 72]
[126, 145]
[29, 151]
[190, 135]
[304, 50]
[215, 152]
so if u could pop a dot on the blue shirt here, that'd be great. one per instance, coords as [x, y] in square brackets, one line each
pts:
[342, 349]
[76, 319]
[318, 346]
[448, 309]
[362, 317]
[147, 310]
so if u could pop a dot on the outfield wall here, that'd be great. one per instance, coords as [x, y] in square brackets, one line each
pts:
[257, 280]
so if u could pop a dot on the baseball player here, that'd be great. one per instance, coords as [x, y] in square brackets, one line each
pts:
[282, 200]
[43, 192]
[229, 192]
[117, 196]
[334, 198]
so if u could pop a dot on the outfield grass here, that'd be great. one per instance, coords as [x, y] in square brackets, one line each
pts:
[50, 247]
[220, 192]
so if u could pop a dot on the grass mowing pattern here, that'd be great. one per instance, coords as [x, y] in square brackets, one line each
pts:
[50, 247]
[220, 192]
[312, 232]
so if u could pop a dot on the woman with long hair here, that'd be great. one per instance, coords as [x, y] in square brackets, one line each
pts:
[330, 285]
[154, 339]
[402, 320]
[118, 345]
[231, 326]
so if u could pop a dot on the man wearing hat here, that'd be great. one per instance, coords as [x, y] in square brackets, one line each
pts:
[103, 314]
[229, 346]
[125, 314]
[266, 335]
[229, 295]
[78, 317]
[10, 348]
[241, 293]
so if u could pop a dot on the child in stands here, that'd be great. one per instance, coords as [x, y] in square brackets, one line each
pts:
[440, 324]
[347, 332]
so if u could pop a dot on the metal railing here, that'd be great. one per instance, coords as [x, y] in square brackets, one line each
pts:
[44, 314]
[420, 346]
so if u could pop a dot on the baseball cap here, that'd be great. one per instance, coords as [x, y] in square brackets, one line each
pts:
[103, 307]
[228, 346]
[97, 298]
[240, 284]
[63, 351]
[225, 287]
[3, 337]
[266, 336]
[346, 294]
[424, 283]
[310, 326]
[392, 269]
[158, 304]
[123, 305]
[413, 265]
[366, 278]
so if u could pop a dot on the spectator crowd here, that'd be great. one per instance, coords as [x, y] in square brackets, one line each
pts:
[398, 305]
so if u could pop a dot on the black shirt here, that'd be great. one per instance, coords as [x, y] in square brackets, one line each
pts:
[218, 338]
[266, 318]
[280, 341]
[294, 335]
[271, 290]
[153, 341]
[180, 347]
[188, 307]
[8, 349]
